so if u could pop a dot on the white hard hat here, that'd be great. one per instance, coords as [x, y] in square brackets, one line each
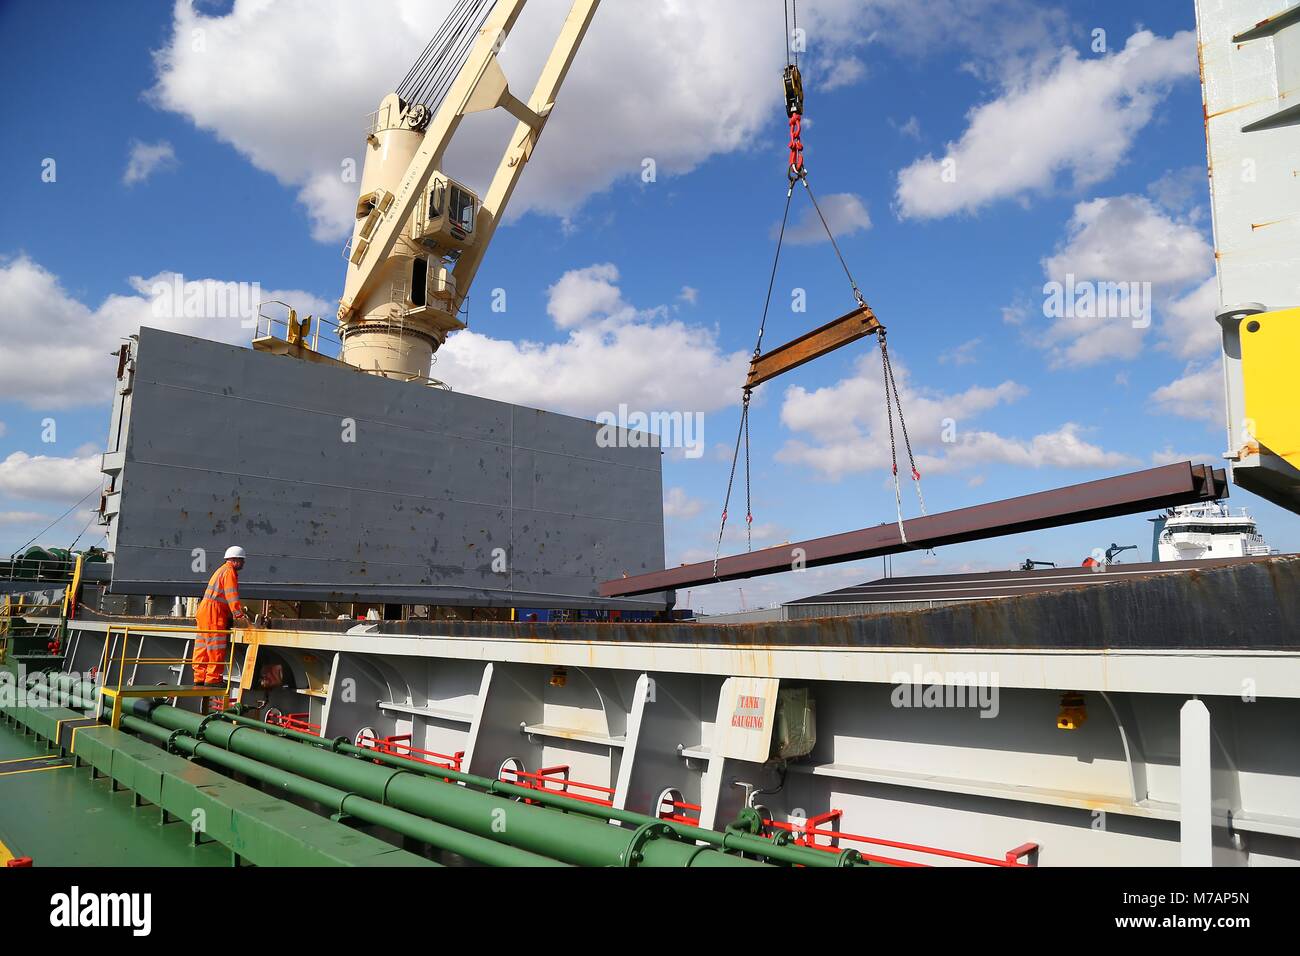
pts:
[234, 551]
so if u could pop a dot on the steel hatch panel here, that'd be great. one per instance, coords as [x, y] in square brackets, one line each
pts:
[226, 445]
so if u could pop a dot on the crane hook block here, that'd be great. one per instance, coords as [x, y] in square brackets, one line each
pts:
[793, 90]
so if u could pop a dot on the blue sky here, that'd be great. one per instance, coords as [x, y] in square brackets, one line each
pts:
[1068, 159]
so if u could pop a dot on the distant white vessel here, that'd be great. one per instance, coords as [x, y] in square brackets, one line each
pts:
[1206, 530]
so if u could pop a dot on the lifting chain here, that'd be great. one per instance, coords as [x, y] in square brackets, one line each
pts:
[893, 401]
[742, 432]
[797, 171]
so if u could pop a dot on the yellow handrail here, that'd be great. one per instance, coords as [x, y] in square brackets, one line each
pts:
[19, 609]
[156, 660]
[70, 595]
[121, 667]
[173, 629]
[122, 660]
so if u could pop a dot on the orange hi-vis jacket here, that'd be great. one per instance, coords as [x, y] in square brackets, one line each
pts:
[220, 604]
[216, 612]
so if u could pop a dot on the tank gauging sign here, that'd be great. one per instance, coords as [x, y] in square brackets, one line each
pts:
[746, 711]
[749, 712]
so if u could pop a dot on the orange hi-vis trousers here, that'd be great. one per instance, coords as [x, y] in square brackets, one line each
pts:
[210, 649]
[216, 612]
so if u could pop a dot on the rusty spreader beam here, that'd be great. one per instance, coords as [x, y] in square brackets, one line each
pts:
[847, 328]
[1155, 488]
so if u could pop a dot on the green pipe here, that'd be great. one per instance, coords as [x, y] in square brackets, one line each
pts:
[62, 692]
[78, 696]
[74, 683]
[736, 842]
[60, 681]
[407, 824]
[578, 840]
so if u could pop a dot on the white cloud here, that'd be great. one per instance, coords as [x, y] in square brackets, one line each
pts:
[288, 84]
[614, 353]
[855, 404]
[147, 159]
[845, 214]
[1189, 328]
[1081, 341]
[678, 504]
[1017, 313]
[845, 72]
[911, 128]
[21, 518]
[583, 294]
[1062, 448]
[1196, 394]
[46, 478]
[1130, 241]
[845, 430]
[1077, 116]
[1184, 190]
[963, 354]
[47, 371]
[689, 294]
[1167, 456]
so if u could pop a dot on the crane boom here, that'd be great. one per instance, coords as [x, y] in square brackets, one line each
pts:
[524, 138]
[420, 237]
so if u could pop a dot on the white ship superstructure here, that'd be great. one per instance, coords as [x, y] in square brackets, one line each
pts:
[1207, 530]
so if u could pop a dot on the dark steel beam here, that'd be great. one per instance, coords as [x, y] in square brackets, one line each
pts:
[834, 334]
[1149, 490]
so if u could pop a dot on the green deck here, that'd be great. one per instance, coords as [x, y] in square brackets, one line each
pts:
[60, 817]
[117, 800]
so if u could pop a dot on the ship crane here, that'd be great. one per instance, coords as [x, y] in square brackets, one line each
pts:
[420, 235]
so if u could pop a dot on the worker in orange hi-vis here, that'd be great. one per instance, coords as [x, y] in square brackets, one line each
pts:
[219, 608]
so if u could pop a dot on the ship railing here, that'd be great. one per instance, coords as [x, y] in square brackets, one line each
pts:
[557, 780]
[810, 832]
[49, 571]
[675, 809]
[399, 745]
[12, 609]
[299, 722]
[273, 322]
[14, 624]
